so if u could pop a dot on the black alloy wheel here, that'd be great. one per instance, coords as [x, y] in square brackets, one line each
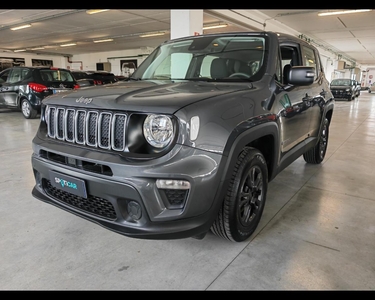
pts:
[243, 205]
[316, 154]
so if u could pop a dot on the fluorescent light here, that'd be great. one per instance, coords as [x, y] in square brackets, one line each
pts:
[21, 27]
[214, 26]
[66, 45]
[95, 11]
[103, 41]
[37, 48]
[19, 50]
[152, 34]
[343, 12]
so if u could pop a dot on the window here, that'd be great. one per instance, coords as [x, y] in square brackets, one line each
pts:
[278, 75]
[15, 76]
[202, 57]
[289, 57]
[309, 59]
[4, 76]
[56, 75]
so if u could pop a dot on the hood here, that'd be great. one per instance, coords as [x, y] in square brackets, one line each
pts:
[145, 96]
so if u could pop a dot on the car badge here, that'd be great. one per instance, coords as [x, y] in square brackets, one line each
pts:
[62, 86]
[84, 100]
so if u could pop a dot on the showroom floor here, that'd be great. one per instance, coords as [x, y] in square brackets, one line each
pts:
[317, 231]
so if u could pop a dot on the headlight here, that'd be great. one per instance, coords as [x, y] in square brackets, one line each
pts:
[158, 130]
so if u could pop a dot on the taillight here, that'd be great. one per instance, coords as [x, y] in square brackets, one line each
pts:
[36, 87]
[76, 86]
[97, 82]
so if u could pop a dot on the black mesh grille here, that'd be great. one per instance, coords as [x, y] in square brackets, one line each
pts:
[175, 197]
[105, 130]
[80, 127]
[118, 132]
[94, 205]
[91, 128]
[70, 125]
[60, 124]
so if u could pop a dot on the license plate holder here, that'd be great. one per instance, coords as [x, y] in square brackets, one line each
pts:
[68, 184]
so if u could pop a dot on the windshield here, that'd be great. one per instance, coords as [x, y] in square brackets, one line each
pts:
[56, 75]
[223, 58]
[336, 82]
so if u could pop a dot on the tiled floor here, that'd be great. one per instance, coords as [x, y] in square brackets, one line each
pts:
[317, 231]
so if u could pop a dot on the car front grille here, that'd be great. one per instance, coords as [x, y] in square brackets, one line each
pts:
[105, 130]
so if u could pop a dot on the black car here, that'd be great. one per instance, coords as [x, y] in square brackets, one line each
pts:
[190, 142]
[25, 87]
[86, 78]
[345, 88]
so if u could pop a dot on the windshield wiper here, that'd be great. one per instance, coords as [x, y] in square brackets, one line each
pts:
[207, 79]
[134, 78]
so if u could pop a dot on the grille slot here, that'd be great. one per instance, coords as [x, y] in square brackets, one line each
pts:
[94, 205]
[87, 127]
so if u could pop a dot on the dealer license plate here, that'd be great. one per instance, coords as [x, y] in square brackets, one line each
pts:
[68, 184]
[55, 91]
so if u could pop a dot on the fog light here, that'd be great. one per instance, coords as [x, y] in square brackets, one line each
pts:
[172, 184]
[134, 210]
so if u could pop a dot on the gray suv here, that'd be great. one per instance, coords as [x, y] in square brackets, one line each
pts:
[191, 141]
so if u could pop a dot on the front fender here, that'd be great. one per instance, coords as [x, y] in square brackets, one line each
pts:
[249, 133]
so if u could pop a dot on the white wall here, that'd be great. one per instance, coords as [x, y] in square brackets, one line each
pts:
[88, 61]
[58, 61]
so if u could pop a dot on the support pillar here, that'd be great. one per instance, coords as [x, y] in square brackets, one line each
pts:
[185, 22]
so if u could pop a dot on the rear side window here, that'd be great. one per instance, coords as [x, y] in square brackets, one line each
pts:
[56, 75]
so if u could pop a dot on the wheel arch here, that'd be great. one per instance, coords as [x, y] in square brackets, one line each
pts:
[264, 137]
[20, 98]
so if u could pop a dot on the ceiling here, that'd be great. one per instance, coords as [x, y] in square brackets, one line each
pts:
[351, 35]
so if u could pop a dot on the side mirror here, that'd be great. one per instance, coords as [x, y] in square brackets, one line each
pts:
[300, 75]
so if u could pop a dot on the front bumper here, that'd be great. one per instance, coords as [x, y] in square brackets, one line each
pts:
[128, 201]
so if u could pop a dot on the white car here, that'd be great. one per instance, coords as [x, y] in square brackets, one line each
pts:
[371, 88]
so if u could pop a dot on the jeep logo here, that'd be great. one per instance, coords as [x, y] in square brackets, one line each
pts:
[83, 100]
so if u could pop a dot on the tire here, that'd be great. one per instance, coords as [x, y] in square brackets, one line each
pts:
[27, 110]
[316, 154]
[244, 202]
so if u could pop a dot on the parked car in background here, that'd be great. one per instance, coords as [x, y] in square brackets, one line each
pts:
[371, 88]
[24, 88]
[345, 88]
[94, 77]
